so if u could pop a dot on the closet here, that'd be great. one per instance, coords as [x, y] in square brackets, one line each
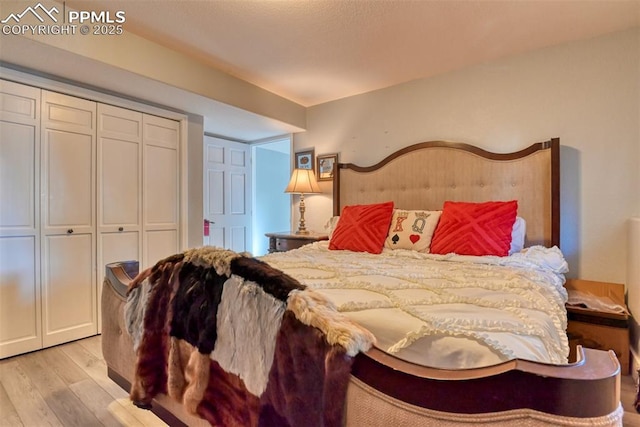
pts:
[82, 184]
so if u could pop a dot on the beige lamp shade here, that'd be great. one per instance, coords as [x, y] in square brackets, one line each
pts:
[303, 181]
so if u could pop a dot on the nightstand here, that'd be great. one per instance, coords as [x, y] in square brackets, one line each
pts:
[599, 329]
[286, 240]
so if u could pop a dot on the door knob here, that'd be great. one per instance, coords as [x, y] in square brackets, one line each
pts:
[69, 231]
[120, 228]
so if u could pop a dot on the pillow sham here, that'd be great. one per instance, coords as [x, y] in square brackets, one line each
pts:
[331, 224]
[517, 235]
[467, 228]
[412, 229]
[362, 228]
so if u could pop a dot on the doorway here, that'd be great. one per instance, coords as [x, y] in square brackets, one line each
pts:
[272, 206]
[227, 194]
[244, 194]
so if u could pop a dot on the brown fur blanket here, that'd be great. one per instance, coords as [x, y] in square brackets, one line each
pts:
[239, 343]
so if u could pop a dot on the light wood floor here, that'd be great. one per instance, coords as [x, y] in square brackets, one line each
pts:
[65, 386]
[68, 386]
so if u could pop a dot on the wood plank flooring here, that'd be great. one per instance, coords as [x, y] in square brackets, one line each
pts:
[68, 385]
[65, 386]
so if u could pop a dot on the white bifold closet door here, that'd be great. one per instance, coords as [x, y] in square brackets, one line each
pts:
[68, 231]
[138, 188]
[161, 190]
[20, 313]
[138, 184]
[82, 184]
[119, 188]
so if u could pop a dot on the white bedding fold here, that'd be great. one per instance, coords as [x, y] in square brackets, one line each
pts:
[446, 311]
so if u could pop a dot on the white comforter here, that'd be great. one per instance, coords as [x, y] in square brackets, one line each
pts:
[445, 311]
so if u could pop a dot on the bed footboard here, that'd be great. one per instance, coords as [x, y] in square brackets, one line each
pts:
[588, 388]
[384, 388]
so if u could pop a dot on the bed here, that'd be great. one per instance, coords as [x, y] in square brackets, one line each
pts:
[489, 380]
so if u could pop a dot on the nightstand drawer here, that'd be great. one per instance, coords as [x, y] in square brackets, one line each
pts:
[283, 245]
[282, 242]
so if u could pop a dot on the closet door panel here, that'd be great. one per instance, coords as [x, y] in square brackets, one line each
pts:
[69, 179]
[19, 285]
[68, 113]
[119, 188]
[19, 157]
[161, 193]
[19, 103]
[160, 244]
[161, 198]
[17, 177]
[119, 123]
[119, 246]
[119, 167]
[20, 322]
[68, 205]
[20, 309]
[70, 293]
[161, 132]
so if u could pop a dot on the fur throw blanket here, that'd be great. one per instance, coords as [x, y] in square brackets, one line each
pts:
[238, 342]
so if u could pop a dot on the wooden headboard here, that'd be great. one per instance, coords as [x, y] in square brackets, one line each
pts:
[425, 175]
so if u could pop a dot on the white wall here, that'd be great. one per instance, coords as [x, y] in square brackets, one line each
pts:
[586, 93]
[633, 284]
[195, 182]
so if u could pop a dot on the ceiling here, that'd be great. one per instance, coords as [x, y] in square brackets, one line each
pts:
[315, 51]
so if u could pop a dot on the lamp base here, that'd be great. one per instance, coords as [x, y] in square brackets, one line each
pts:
[302, 228]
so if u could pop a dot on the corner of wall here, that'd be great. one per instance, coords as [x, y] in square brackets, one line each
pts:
[633, 288]
[195, 153]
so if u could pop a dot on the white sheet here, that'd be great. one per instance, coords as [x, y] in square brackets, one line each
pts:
[445, 311]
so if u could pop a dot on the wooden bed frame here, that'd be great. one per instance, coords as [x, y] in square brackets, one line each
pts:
[461, 172]
[386, 390]
[425, 175]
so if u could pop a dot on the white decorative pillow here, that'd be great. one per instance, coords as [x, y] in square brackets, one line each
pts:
[412, 230]
[517, 235]
[331, 225]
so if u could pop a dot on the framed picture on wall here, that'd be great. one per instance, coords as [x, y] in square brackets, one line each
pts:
[325, 166]
[304, 159]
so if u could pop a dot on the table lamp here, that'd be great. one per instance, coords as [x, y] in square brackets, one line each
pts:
[303, 181]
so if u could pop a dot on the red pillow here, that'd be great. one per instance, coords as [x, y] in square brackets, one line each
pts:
[475, 228]
[362, 228]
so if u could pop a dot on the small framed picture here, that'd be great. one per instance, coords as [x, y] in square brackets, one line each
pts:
[326, 165]
[304, 159]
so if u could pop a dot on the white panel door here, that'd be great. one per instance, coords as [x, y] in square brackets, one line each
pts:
[119, 180]
[161, 197]
[20, 313]
[69, 294]
[227, 198]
